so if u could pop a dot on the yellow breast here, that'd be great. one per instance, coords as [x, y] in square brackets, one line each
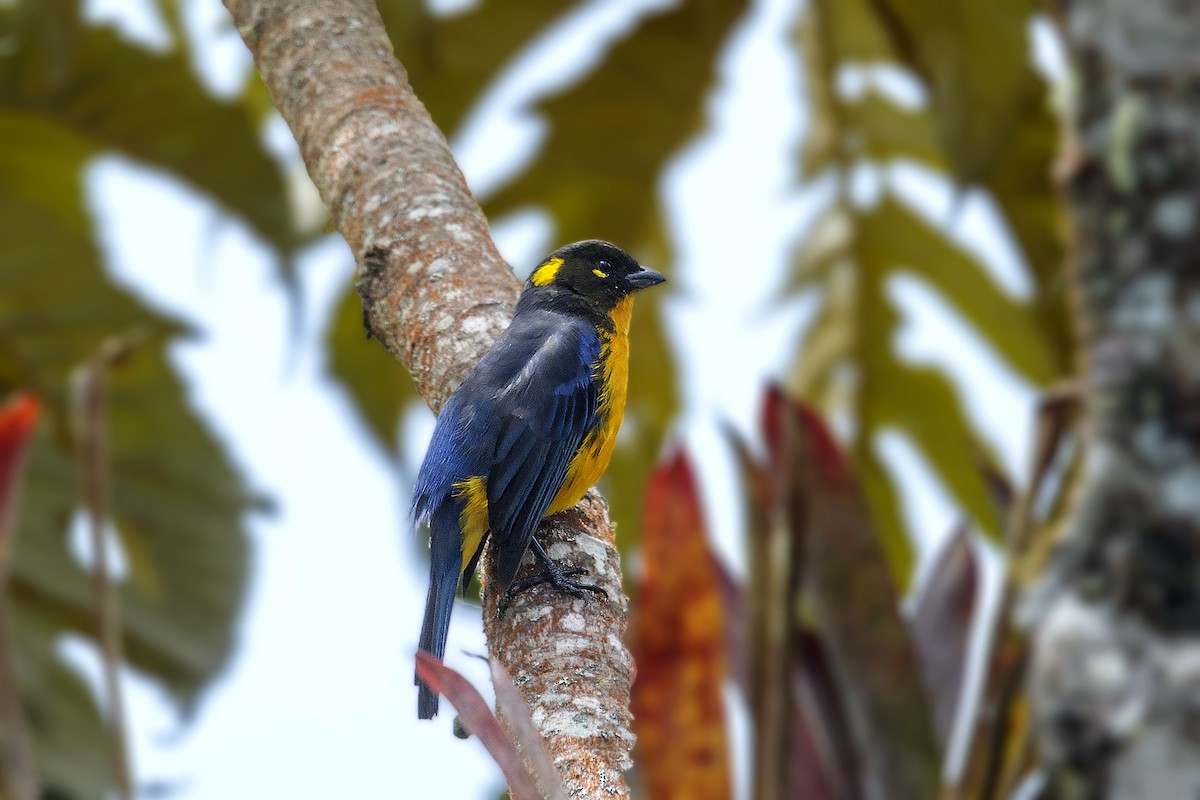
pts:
[596, 451]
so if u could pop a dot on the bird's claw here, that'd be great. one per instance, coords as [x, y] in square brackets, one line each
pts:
[560, 579]
[552, 574]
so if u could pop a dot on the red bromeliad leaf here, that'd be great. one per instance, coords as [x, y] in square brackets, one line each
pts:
[855, 602]
[17, 419]
[679, 645]
[824, 764]
[477, 717]
[942, 627]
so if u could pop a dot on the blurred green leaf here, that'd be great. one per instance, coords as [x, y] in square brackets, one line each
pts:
[116, 96]
[177, 502]
[609, 139]
[451, 60]
[62, 713]
[989, 123]
[1011, 327]
[833, 34]
[856, 328]
[887, 131]
[1023, 188]
[177, 505]
[975, 58]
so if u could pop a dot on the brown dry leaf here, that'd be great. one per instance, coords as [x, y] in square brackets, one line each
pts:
[678, 643]
[941, 627]
[769, 618]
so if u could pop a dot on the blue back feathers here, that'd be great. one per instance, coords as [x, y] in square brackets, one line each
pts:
[516, 420]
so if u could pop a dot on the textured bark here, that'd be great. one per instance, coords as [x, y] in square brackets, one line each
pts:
[435, 291]
[436, 294]
[1115, 670]
[568, 656]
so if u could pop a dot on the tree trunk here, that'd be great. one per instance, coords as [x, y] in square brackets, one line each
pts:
[436, 294]
[1115, 672]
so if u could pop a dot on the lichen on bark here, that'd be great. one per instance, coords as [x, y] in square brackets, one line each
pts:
[1115, 673]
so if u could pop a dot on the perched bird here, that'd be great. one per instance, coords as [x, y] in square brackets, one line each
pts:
[529, 431]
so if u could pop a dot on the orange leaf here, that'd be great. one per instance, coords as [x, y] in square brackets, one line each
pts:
[679, 646]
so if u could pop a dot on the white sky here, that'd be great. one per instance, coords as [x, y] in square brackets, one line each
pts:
[319, 699]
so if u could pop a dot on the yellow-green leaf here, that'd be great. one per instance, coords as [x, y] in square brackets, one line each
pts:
[176, 500]
[451, 60]
[116, 96]
[986, 121]
[1012, 328]
[975, 58]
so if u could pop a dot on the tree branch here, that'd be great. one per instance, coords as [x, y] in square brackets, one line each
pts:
[1115, 672]
[436, 293]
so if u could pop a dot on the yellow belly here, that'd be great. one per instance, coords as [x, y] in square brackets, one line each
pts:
[593, 455]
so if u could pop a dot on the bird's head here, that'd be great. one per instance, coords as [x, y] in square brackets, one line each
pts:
[601, 273]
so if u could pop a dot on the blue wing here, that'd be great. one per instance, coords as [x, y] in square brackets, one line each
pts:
[517, 420]
[544, 418]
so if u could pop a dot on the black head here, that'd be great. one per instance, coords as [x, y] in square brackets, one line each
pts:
[601, 273]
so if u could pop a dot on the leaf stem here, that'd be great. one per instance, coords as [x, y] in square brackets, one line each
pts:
[89, 393]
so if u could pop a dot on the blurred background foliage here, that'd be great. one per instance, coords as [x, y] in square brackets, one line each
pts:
[70, 92]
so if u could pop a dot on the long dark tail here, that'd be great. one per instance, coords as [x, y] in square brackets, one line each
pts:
[444, 566]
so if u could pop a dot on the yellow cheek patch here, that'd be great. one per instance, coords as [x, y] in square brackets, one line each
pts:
[546, 273]
[599, 274]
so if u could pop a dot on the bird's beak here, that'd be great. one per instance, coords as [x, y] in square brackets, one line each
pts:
[645, 278]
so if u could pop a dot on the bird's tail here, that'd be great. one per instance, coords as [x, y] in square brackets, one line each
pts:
[445, 563]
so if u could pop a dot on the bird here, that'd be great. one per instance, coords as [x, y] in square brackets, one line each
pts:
[528, 431]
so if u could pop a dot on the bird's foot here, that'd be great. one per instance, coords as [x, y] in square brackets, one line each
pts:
[560, 579]
[553, 574]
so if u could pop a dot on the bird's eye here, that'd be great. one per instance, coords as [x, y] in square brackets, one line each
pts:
[601, 270]
[602, 264]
